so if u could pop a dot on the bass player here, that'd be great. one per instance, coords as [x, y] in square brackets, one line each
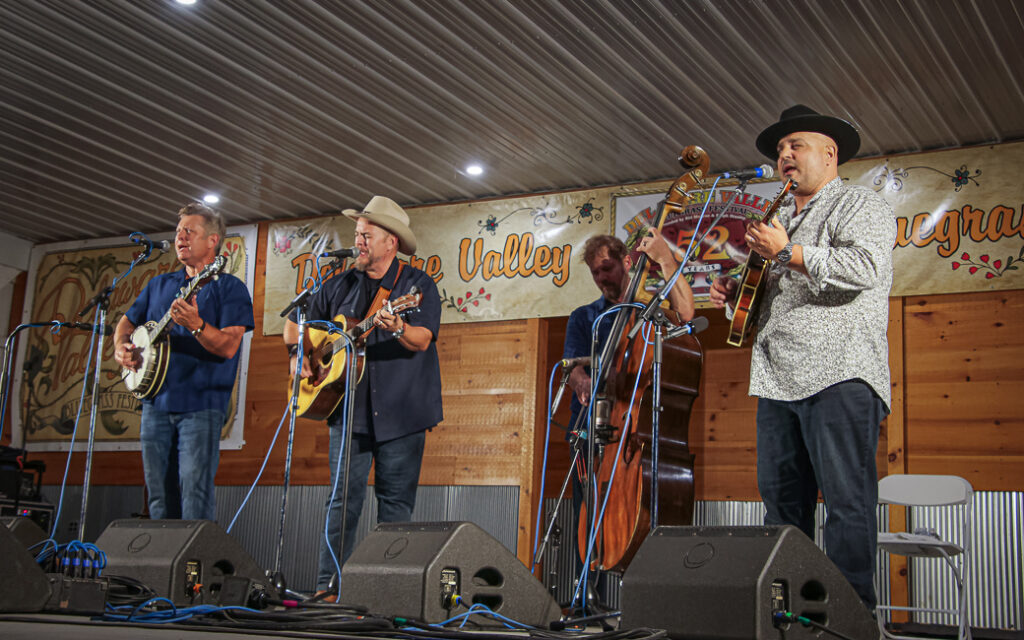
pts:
[398, 396]
[820, 360]
[182, 420]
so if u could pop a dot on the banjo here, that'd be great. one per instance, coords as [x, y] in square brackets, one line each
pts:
[151, 339]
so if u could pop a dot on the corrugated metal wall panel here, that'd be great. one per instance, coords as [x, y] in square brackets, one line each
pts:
[493, 509]
[995, 598]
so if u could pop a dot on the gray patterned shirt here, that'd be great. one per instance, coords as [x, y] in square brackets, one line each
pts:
[830, 326]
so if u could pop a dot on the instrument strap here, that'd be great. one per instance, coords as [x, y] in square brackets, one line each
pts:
[383, 293]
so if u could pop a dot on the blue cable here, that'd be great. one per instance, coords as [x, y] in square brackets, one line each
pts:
[481, 609]
[169, 616]
[689, 247]
[333, 328]
[544, 468]
[263, 466]
[585, 572]
[74, 430]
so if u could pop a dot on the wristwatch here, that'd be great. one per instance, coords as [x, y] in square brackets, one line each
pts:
[401, 332]
[196, 332]
[785, 254]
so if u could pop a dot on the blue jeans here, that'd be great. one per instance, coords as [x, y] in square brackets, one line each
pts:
[180, 452]
[396, 475]
[826, 441]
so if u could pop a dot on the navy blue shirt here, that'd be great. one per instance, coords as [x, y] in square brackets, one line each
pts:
[400, 391]
[196, 379]
[578, 338]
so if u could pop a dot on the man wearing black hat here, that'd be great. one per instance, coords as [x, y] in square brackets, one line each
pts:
[398, 396]
[819, 363]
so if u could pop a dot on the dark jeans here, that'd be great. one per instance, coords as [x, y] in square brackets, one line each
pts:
[180, 452]
[396, 474]
[826, 441]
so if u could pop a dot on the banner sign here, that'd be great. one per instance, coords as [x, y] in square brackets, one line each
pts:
[491, 260]
[54, 366]
[958, 217]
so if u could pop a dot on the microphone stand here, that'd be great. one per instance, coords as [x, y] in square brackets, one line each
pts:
[574, 443]
[102, 303]
[654, 314]
[301, 302]
[599, 371]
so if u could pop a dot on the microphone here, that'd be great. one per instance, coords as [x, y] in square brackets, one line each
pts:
[764, 171]
[568, 364]
[341, 253]
[85, 326]
[696, 325]
[163, 246]
[571, 363]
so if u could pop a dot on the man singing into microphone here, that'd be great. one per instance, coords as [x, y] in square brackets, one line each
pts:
[181, 423]
[399, 396]
[820, 361]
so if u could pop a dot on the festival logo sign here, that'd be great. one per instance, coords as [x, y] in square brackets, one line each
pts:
[707, 233]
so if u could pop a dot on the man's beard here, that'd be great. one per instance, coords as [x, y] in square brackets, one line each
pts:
[612, 294]
[361, 262]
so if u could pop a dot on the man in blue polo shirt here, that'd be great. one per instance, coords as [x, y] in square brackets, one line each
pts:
[399, 395]
[181, 423]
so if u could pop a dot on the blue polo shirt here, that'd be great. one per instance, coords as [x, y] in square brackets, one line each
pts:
[400, 391]
[578, 338]
[196, 379]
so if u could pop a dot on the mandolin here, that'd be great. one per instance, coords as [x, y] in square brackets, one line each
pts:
[749, 291]
[321, 394]
[151, 339]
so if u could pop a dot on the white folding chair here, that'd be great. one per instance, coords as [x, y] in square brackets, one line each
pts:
[930, 491]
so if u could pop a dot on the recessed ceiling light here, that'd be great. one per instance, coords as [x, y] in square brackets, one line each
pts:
[211, 198]
[474, 169]
[185, 1]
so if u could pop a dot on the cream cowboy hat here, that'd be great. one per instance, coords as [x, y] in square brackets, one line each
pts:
[385, 213]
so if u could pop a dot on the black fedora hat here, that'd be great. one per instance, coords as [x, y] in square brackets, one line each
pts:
[802, 118]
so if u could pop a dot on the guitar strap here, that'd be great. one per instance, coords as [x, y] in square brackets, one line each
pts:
[383, 293]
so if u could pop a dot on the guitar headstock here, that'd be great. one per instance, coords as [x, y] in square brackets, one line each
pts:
[408, 302]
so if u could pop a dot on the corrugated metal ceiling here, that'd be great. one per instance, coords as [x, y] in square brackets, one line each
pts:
[115, 113]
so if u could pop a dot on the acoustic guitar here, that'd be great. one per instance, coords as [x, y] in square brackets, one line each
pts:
[151, 339]
[321, 394]
[749, 291]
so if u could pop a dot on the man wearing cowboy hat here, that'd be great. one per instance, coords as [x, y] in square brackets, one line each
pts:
[819, 363]
[399, 395]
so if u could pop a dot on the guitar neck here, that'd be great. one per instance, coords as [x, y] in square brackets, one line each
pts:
[363, 326]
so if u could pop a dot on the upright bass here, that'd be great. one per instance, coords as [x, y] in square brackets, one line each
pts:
[625, 473]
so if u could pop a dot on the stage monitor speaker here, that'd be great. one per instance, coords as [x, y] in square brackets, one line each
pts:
[726, 583]
[415, 570]
[24, 529]
[185, 561]
[24, 586]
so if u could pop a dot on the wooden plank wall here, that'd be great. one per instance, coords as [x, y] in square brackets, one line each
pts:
[957, 365]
